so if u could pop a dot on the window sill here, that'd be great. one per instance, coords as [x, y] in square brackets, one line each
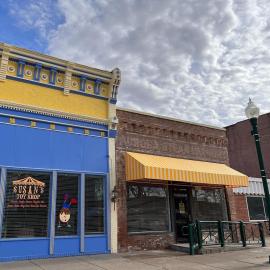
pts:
[259, 220]
[23, 239]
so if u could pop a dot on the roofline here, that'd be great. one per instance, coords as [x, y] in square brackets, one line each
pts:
[169, 118]
[12, 49]
[244, 120]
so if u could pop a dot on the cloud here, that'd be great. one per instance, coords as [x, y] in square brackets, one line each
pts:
[41, 15]
[195, 60]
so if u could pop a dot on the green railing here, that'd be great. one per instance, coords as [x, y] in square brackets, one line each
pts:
[222, 233]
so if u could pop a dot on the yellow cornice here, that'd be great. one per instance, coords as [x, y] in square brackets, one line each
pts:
[50, 61]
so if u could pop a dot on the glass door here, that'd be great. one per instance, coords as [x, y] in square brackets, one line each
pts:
[181, 213]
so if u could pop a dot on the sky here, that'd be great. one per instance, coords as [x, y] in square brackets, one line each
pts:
[196, 60]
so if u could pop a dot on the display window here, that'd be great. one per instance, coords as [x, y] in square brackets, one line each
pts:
[147, 209]
[209, 204]
[66, 222]
[94, 205]
[26, 207]
[256, 208]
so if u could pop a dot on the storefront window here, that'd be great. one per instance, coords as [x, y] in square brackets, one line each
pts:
[209, 204]
[26, 204]
[66, 205]
[147, 208]
[256, 208]
[94, 205]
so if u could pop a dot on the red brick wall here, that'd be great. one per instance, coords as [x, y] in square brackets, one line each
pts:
[157, 136]
[149, 241]
[237, 206]
[243, 157]
[241, 146]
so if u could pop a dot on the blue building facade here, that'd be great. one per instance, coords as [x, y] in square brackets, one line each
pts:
[57, 139]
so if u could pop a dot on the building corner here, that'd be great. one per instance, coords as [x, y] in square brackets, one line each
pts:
[113, 122]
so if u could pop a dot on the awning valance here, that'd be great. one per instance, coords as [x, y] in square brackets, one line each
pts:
[143, 166]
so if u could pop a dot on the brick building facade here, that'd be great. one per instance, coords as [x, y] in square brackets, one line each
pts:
[241, 146]
[154, 135]
[243, 157]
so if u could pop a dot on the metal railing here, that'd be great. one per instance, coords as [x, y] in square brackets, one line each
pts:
[222, 233]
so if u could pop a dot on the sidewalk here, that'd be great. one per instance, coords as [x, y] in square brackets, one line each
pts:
[249, 259]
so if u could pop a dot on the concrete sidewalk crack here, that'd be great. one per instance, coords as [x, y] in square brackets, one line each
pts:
[250, 262]
[148, 264]
[36, 264]
[93, 264]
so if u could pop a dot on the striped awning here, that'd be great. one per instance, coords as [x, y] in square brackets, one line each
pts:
[150, 167]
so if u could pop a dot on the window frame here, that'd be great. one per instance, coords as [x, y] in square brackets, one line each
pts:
[104, 182]
[168, 216]
[51, 199]
[222, 203]
[262, 198]
[77, 174]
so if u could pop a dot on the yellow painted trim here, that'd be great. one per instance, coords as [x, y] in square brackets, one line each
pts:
[70, 129]
[33, 109]
[52, 126]
[45, 98]
[12, 120]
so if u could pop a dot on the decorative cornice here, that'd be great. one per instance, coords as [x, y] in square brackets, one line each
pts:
[67, 81]
[57, 66]
[171, 134]
[28, 66]
[3, 65]
[57, 63]
[55, 87]
[114, 85]
[47, 112]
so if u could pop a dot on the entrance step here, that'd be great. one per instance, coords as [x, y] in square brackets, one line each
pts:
[184, 247]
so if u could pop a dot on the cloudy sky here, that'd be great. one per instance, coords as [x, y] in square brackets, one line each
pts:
[197, 60]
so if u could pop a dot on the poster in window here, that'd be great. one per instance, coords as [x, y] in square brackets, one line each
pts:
[182, 208]
[26, 204]
[67, 205]
[65, 213]
[28, 193]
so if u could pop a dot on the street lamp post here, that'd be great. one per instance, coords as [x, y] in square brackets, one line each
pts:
[253, 112]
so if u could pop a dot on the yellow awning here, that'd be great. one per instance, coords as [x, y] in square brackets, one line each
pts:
[143, 166]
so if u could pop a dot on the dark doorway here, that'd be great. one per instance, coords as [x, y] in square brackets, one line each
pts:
[181, 212]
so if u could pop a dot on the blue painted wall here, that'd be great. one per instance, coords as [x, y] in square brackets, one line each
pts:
[48, 149]
[40, 148]
[23, 249]
[29, 115]
[66, 246]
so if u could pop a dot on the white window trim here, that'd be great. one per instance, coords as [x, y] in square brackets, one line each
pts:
[256, 196]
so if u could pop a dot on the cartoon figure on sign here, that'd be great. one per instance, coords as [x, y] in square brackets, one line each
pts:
[64, 215]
